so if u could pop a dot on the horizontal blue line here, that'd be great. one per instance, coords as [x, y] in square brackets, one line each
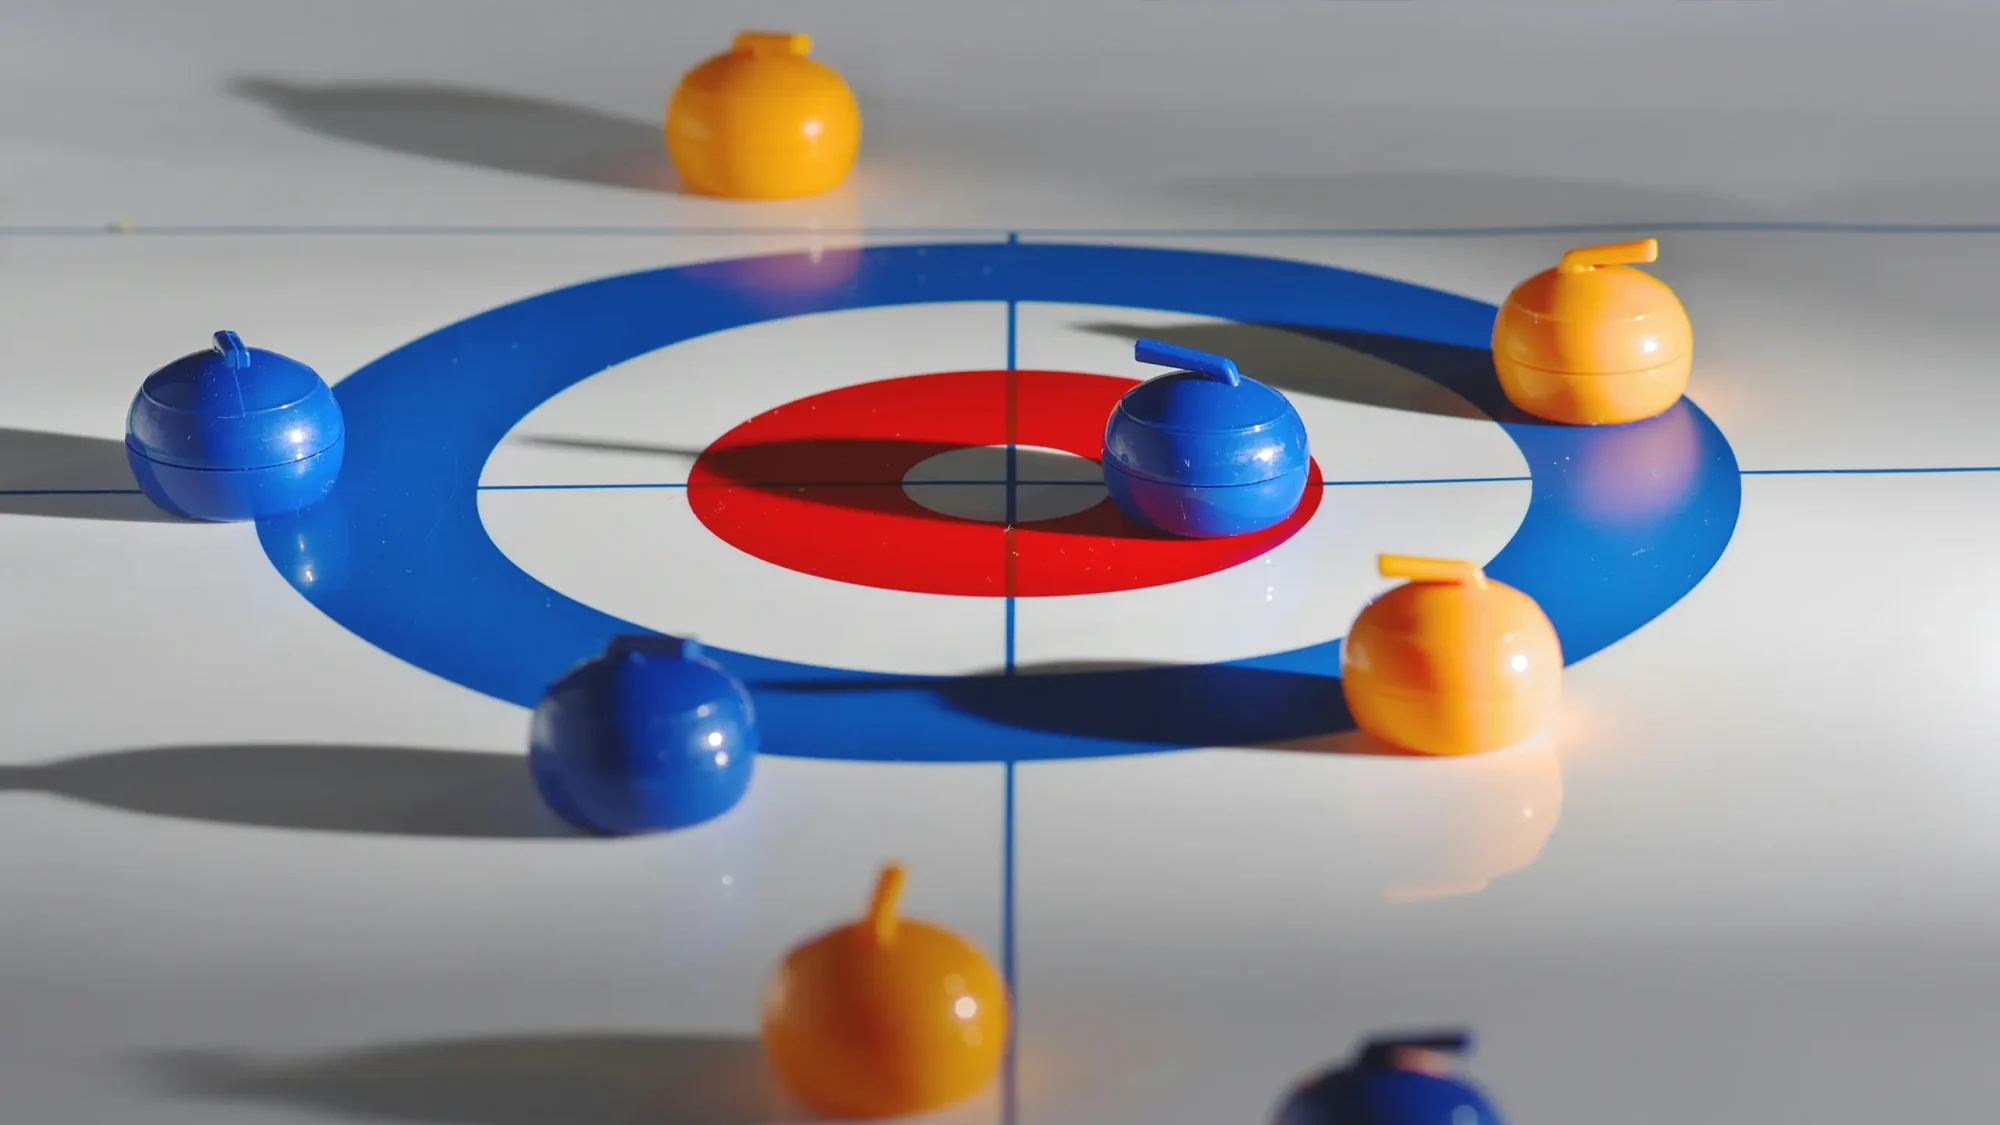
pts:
[1930, 470]
[1424, 480]
[995, 483]
[69, 492]
[1867, 472]
[643, 231]
[368, 230]
[1681, 227]
[576, 487]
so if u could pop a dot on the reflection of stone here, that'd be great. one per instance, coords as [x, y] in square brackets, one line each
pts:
[1426, 828]
[813, 270]
[1638, 471]
[311, 548]
[707, 908]
[556, 1079]
[826, 261]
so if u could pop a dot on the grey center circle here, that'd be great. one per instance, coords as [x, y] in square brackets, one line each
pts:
[972, 483]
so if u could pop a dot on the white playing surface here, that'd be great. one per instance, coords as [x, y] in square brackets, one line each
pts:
[255, 870]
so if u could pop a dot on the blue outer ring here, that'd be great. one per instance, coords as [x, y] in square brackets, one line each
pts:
[397, 553]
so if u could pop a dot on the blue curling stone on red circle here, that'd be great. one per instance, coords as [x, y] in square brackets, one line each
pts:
[1204, 452]
[235, 433]
[648, 737]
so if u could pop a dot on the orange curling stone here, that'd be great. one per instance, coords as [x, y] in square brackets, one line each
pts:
[1594, 341]
[1452, 662]
[885, 1016]
[763, 121]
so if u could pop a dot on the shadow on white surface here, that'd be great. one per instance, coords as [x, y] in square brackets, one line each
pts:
[1434, 199]
[606, 445]
[888, 476]
[71, 476]
[829, 460]
[1296, 362]
[1164, 706]
[604, 1079]
[480, 128]
[367, 790]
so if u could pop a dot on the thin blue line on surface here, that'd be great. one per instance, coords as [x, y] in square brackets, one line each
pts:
[1868, 472]
[996, 482]
[1013, 450]
[1010, 483]
[1421, 480]
[1009, 1083]
[640, 231]
[490, 230]
[1013, 456]
[1677, 226]
[577, 487]
[69, 492]
[1009, 1079]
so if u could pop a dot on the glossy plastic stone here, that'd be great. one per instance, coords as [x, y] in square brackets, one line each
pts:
[1204, 452]
[886, 1016]
[235, 433]
[763, 121]
[1395, 1081]
[1594, 341]
[649, 737]
[1451, 662]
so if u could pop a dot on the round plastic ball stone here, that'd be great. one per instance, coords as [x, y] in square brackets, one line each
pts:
[1451, 662]
[886, 1016]
[1594, 341]
[649, 737]
[234, 433]
[1204, 453]
[1374, 1094]
[763, 121]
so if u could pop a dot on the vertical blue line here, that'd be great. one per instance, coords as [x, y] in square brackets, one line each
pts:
[1009, 1083]
[1013, 337]
[1013, 462]
[1009, 1079]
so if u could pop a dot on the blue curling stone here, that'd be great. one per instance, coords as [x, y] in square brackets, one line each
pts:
[1375, 1091]
[1204, 452]
[234, 433]
[649, 737]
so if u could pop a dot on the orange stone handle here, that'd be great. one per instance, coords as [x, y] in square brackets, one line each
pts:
[774, 43]
[882, 907]
[1413, 569]
[1612, 254]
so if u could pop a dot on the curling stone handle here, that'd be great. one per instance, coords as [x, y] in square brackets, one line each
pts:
[1163, 354]
[1452, 1042]
[881, 924]
[1413, 569]
[234, 353]
[772, 43]
[1611, 254]
[653, 644]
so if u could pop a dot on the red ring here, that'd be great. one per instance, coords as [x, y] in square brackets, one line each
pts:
[816, 486]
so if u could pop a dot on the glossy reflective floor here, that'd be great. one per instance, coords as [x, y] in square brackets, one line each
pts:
[268, 848]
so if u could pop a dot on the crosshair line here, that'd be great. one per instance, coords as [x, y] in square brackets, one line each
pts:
[565, 230]
[1012, 485]
[1010, 1077]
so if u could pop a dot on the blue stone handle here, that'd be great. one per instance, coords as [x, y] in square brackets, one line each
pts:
[653, 644]
[234, 354]
[1164, 354]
